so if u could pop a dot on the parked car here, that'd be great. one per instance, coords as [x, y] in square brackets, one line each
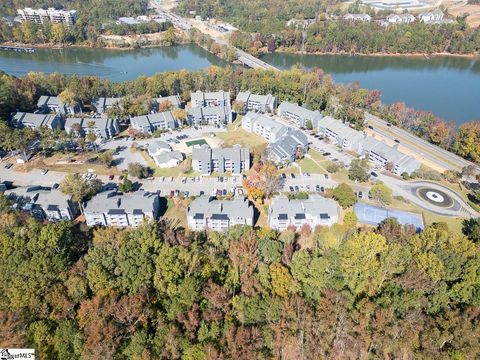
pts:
[326, 154]
[55, 186]
[202, 192]
[397, 141]
[317, 188]
[44, 171]
[184, 180]
[292, 175]
[284, 176]
[322, 189]
[224, 192]
[219, 192]
[121, 177]
[360, 195]
[326, 176]
[291, 189]
[172, 193]
[374, 174]
[370, 127]
[111, 177]
[389, 125]
[307, 174]
[297, 188]
[8, 166]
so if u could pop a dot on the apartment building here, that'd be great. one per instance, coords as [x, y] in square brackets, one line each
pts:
[208, 213]
[174, 101]
[41, 16]
[212, 115]
[358, 17]
[379, 153]
[256, 102]
[221, 160]
[122, 210]
[314, 211]
[150, 123]
[400, 19]
[163, 155]
[204, 99]
[341, 134]
[102, 104]
[35, 121]
[284, 150]
[298, 114]
[42, 202]
[102, 127]
[54, 104]
[262, 125]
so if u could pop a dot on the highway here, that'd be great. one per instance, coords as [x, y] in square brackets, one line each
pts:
[421, 149]
[186, 24]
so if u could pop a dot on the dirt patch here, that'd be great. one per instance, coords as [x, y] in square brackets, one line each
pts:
[473, 19]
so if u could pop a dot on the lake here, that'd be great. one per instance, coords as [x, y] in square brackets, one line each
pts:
[448, 86]
[116, 65]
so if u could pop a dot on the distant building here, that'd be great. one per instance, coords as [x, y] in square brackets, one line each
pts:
[298, 114]
[41, 16]
[255, 102]
[431, 16]
[174, 100]
[207, 160]
[314, 211]
[213, 115]
[102, 104]
[204, 99]
[148, 124]
[102, 127]
[341, 134]
[122, 210]
[42, 202]
[400, 18]
[382, 154]
[35, 121]
[358, 17]
[262, 125]
[55, 104]
[127, 20]
[207, 213]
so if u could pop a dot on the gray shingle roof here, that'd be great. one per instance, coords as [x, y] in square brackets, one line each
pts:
[104, 202]
[239, 207]
[282, 208]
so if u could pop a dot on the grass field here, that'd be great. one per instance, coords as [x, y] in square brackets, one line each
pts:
[176, 212]
[310, 166]
[240, 136]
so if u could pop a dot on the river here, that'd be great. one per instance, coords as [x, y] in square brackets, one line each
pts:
[448, 86]
[116, 65]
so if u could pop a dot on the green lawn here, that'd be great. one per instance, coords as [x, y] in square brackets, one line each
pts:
[175, 171]
[310, 166]
[240, 136]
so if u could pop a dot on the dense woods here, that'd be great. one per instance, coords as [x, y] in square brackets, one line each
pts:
[366, 38]
[155, 292]
[313, 89]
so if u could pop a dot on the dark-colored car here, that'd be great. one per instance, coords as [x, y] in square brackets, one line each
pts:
[326, 154]
[317, 188]
[224, 192]
[297, 188]
[322, 189]
[291, 189]
[370, 127]
[374, 174]
[110, 177]
[292, 175]
[219, 192]
[172, 193]
[389, 125]
[8, 166]
[284, 176]
[121, 177]
[397, 141]
[55, 186]
[202, 192]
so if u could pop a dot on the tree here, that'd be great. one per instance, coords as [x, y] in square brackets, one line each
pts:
[137, 170]
[238, 106]
[308, 125]
[106, 158]
[282, 282]
[344, 195]
[359, 170]
[333, 167]
[179, 114]
[381, 193]
[467, 141]
[126, 186]
[79, 188]
[471, 228]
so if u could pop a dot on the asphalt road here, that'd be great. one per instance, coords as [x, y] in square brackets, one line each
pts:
[422, 149]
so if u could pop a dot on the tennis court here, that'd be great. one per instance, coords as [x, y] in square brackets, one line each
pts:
[374, 215]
